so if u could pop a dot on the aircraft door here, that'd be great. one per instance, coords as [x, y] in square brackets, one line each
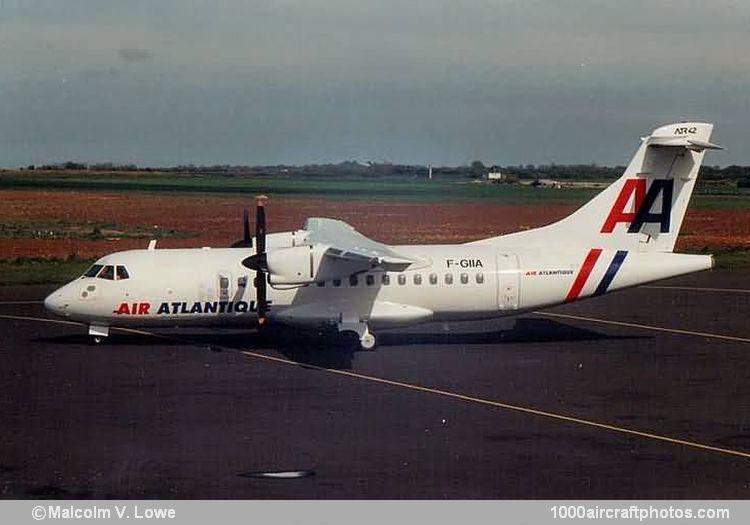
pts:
[508, 281]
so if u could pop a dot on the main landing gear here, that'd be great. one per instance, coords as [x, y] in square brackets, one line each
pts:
[359, 330]
[98, 333]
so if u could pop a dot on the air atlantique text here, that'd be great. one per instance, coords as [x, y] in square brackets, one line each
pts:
[177, 308]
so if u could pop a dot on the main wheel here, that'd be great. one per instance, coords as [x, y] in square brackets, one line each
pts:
[367, 341]
[97, 339]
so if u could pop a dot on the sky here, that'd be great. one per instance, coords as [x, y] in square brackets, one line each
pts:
[410, 82]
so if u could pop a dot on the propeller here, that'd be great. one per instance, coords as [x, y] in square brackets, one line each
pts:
[247, 240]
[257, 261]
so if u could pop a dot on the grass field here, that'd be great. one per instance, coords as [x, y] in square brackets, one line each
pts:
[386, 189]
[41, 271]
[391, 188]
[26, 270]
[83, 230]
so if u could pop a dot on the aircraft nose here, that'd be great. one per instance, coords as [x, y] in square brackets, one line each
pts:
[56, 303]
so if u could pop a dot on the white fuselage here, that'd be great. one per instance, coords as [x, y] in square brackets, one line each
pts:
[204, 287]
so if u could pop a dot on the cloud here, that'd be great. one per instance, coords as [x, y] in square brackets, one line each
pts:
[131, 54]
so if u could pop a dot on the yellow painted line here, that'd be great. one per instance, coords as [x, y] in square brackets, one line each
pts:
[694, 289]
[511, 407]
[445, 393]
[707, 335]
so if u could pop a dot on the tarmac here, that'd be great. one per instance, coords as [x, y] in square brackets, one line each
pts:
[641, 394]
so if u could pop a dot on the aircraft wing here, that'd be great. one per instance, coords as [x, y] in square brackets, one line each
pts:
[346, 243]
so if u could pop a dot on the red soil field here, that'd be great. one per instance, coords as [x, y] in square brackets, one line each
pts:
[217, 220]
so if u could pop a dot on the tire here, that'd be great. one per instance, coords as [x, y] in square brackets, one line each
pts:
[368, 342]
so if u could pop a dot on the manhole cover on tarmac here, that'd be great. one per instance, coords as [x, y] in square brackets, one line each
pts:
[279, 474]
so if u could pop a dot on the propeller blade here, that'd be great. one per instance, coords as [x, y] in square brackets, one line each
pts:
[262, 299]
[247, 240]
[258, 261]
[246, 228]
[260, 224]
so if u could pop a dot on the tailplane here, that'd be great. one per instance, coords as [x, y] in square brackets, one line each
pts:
[642, 210]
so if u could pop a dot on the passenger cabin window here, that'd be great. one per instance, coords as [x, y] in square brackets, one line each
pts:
[108, 272]
[417, 279]
[480, 278]
[433, 278]
[370, 280]
[122, 273]
[401, 279]
[353, 280]
[448, 278]
[93, 271]
[386, 279]
[464, 278]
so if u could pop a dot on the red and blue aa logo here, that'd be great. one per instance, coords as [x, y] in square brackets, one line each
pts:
[635, 190]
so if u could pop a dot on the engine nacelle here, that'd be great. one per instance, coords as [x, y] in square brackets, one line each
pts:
[284, 239]
[308, 264]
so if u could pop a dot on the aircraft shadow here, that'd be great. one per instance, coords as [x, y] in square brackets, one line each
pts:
[330, 351]
[526, 330]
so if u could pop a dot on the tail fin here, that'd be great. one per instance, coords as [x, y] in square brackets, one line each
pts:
[642, 210]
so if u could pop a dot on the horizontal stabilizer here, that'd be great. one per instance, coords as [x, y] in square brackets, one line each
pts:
[682, 142]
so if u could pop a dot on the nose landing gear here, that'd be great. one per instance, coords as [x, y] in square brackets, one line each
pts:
[98, 333]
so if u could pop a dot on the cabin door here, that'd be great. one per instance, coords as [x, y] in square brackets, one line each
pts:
[508, 280]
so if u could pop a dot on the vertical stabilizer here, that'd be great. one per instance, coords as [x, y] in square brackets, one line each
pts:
[642, 210]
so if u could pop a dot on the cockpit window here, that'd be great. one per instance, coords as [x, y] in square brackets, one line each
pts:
[108, 272]
[122, 273]
[91, 272]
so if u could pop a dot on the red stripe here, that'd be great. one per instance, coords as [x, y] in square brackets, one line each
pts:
[583, 274]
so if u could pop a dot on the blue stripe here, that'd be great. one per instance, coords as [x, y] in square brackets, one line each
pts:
[609, 275]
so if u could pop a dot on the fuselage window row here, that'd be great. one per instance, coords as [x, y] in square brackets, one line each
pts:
[401, 279]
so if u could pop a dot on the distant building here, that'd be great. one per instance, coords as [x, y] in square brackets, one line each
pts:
[496, 176]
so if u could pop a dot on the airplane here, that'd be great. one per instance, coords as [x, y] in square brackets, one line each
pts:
[328, 276]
